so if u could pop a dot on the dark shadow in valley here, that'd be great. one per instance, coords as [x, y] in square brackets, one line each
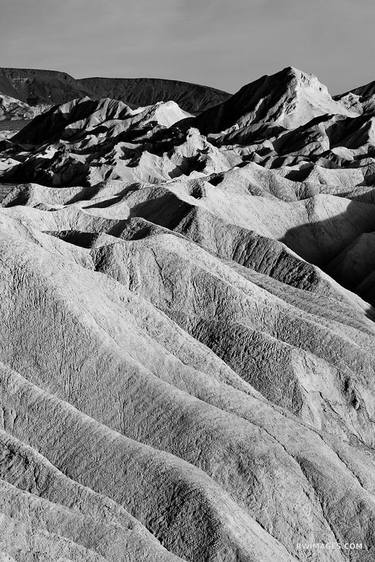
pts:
[167, 210]
[324, 244]
[77, 238]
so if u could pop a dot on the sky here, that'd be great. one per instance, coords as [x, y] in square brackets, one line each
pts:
[220, 43]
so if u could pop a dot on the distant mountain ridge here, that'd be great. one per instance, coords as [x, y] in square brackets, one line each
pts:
[38, 86]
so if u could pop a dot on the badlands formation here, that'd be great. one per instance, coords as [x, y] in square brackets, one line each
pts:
[187, 366]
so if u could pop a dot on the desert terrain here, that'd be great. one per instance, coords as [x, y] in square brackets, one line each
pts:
[187, 335]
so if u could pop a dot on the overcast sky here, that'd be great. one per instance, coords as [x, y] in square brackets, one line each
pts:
[222, 43]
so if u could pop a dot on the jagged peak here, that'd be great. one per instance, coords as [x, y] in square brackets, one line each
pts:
[289, 98]
[289, 76]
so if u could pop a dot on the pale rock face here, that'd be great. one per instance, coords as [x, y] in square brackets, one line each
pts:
[14, 114]
[11, 108]
[187, 332]
[360, 99]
